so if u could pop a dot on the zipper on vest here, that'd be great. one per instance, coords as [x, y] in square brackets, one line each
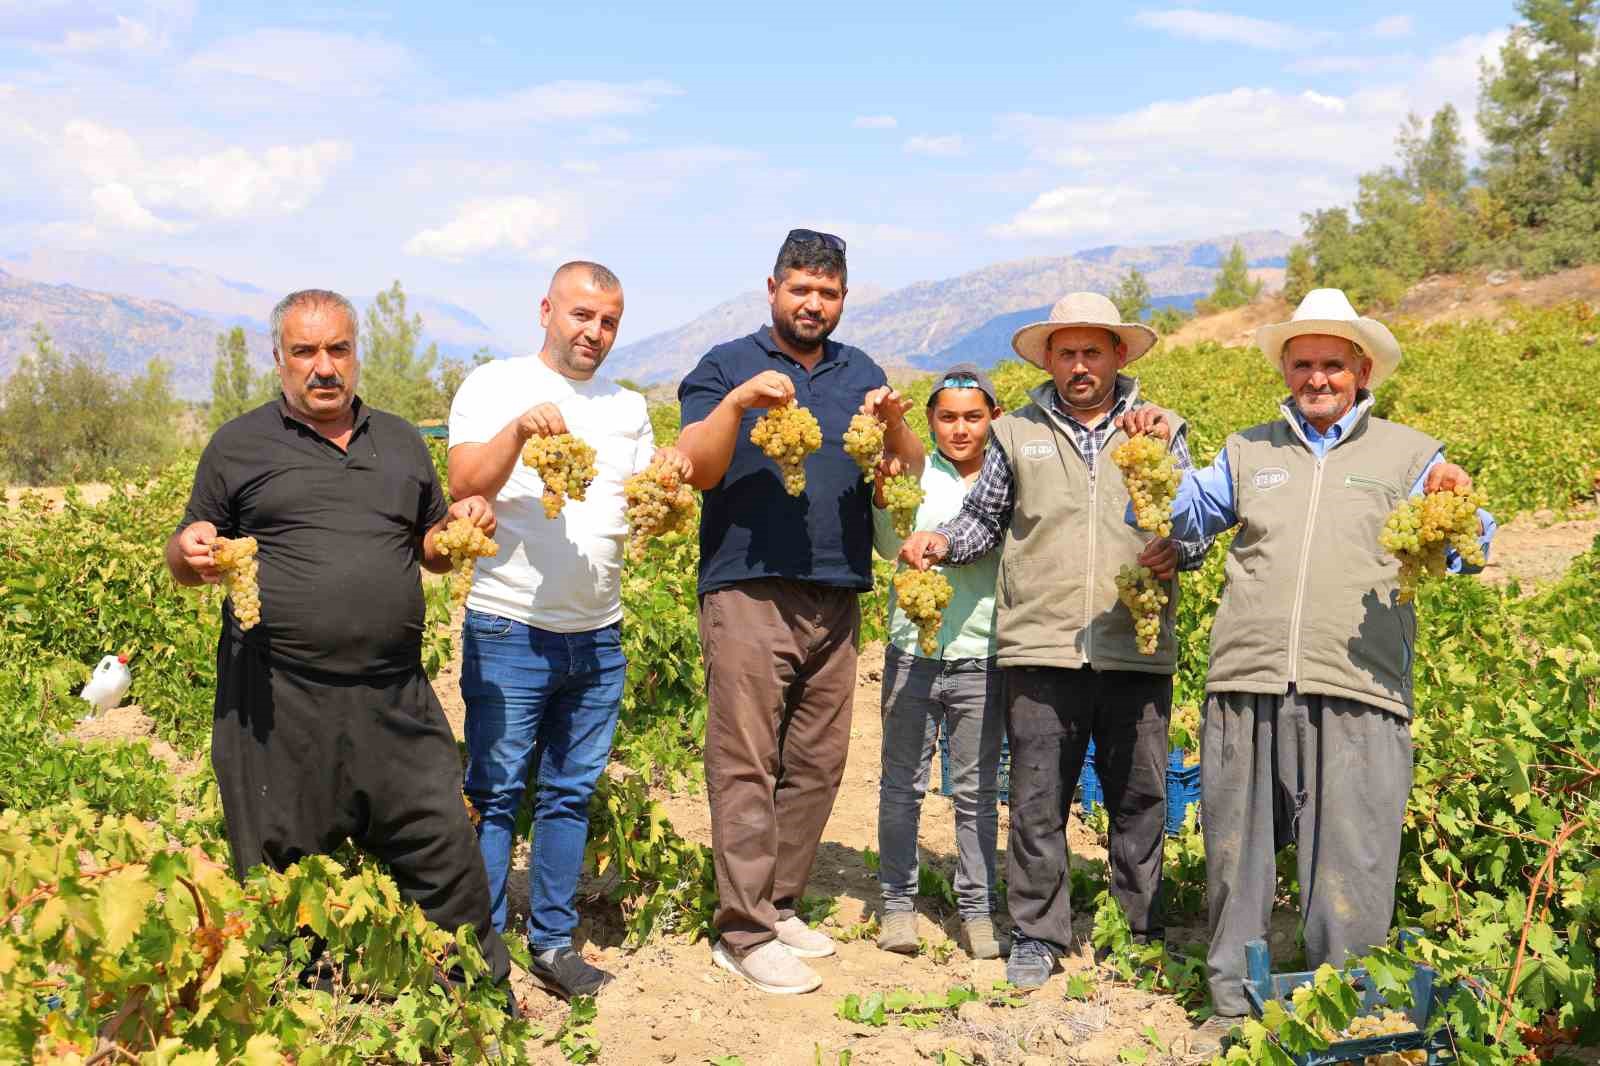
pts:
[1089, 576]
[1305, 574]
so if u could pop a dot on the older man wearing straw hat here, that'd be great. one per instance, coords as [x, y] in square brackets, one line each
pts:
[1071, 665]
[1307, 725]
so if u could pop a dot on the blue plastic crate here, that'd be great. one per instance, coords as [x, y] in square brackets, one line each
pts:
[1183, 788]
[1003, 779]
[1429, 997]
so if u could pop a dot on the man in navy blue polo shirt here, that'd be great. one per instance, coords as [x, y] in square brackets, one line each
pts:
[779, 616]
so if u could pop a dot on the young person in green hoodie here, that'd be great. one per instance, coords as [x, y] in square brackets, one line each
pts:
[956, 689]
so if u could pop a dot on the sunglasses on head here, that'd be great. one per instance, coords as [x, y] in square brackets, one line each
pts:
[811, 236]
[959, 381]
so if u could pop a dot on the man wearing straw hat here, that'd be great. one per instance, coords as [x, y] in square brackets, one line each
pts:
[1307, 725]
[1051, 500]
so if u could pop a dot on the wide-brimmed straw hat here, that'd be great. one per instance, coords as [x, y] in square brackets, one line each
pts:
[1328, 311]
[1082, 309]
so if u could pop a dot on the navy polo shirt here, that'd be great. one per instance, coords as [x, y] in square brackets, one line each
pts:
[749, 526]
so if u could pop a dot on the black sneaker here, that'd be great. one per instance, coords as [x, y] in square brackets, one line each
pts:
[563, 971]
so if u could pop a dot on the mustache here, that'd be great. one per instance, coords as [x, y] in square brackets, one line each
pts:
[332, 381]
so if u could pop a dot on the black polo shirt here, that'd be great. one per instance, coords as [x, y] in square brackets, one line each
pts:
[749, 526]
[339, 535]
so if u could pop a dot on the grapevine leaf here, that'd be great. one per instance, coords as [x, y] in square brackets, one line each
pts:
[123, 898]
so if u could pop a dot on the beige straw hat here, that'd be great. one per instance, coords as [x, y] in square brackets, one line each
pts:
[1328, 311]
[1082, 309]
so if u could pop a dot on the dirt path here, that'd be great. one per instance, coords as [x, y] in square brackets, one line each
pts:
[1536, 549]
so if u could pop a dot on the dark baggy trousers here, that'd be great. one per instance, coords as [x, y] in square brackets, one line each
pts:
[1326, 772]
[303, 764]
[780, 677]
[1051, 714]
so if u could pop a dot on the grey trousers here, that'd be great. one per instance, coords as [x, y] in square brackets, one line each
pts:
[1328, 773]
[1051, 713]
[962, 697]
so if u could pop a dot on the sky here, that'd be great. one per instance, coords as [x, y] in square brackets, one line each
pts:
[466, 149]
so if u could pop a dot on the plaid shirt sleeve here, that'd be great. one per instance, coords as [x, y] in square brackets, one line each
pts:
[1191, 553]
[985, 513]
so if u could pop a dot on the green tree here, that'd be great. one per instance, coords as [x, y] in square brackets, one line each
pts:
[1131, 295]
[1299, 276]
[1234, 287]
[1168, 320]
[452, 372]
[235, 387]
[1434, 162]
[394, 376]
[67, 418]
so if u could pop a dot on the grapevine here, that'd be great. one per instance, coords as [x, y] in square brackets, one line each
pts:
[1152, 477]
[788, 434]
[236, 558]
[1144, 597]
[566, 466]
[923, 595]
[863, 442]
[903, 493]
[1420, 529]
[1185, 732]
[659, 502]
[464, 543]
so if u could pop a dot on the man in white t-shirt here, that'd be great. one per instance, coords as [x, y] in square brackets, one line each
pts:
[542, 666]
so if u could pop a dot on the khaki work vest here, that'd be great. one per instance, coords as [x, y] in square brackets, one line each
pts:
[1056, 604]
[1311, 597]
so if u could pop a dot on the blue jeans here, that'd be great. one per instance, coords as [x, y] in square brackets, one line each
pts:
[537, 699]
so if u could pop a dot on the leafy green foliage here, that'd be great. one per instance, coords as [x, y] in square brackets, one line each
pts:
[235, 387]
[67, 418]
[1233, 287]
[395, 376]
[663, 883]
[118, 941]
[919, 1010]
[1131, 296]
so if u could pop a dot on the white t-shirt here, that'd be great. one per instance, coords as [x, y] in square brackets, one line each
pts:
[562, 574]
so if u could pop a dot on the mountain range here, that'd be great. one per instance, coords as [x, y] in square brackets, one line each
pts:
[127, 311]
[970, 316]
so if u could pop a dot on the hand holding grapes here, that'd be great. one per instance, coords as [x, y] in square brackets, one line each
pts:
[1447, 477]
[1146, 420]
[1161, 556]
[767, 389]
[477, 510]
[672, 460]
[886, 405]
[542, 421]
[925, 549]
[195, 545]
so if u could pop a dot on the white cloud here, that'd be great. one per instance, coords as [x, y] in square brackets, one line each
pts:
[1392, 26]
[556, 101]
[604, 136]
[520, 226]
[1224, 28]
[116, 207]
[945, 146]
[1361, 64]
[1247, 157]
[308, 62]
[125, 35]
[230, 184]
[875, 122]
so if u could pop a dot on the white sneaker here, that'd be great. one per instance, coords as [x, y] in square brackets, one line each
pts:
[770, 968]
[803, 941]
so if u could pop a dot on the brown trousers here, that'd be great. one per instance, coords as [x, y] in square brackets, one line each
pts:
[780, 677]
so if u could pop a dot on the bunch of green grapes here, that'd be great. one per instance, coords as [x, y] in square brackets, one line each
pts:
[236, 558]
[923, 595]
[1185, 732]
[1145, 598]
[1368, 1026]
[863, 442]
[464, 543]
[788, 434]
[659, 502]
[903, 493]
[1420, 529]
[1152, 477]
[566, 466]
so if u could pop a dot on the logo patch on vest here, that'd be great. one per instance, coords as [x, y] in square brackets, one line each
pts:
[1269, 477]
[1038, 449]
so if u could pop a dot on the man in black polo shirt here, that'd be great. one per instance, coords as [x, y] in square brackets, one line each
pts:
[779, 617]
[325, 725]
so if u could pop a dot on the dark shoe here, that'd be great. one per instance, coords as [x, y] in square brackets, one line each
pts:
[1031, 963]
[563, 971]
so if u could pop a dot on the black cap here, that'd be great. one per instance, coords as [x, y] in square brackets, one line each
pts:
[963, 376]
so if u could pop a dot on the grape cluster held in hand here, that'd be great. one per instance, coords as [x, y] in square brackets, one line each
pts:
[903, 494]
[863, 442]
[659, 502]
[1145, 599]
[1152, 477]
[787, 434]
[566, 466]
[923, 595]
[1421, 529]
[465, 543]
[236, 558]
